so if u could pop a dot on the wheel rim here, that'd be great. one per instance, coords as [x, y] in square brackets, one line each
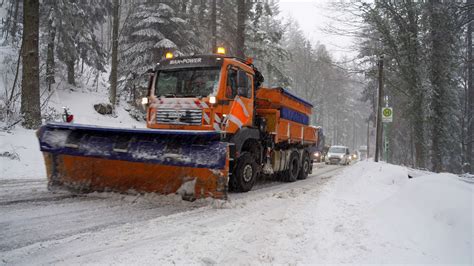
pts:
[306, 166]
[248, 173]
[294, 168]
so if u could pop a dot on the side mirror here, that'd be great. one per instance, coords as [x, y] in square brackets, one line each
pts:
[150, 71]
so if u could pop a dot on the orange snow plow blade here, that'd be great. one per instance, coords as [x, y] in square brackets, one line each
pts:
[85, 159]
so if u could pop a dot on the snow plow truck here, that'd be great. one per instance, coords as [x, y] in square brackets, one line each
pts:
[211, 128]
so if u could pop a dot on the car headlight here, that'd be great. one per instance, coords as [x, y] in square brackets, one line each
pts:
[316, 154]
[341, 156]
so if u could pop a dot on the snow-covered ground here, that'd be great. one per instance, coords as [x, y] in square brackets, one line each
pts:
[365, 213]
[24, 159]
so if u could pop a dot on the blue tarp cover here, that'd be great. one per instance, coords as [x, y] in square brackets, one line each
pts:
[294, 116]
[289, 94]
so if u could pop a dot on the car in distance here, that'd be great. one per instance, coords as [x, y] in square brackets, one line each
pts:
[317, 156]
[338, 155]
[355, 156]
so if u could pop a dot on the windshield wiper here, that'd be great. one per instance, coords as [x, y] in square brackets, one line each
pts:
[170, 95]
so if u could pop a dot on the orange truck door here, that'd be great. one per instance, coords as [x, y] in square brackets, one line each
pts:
[240, 88]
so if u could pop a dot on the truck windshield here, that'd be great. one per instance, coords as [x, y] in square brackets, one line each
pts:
[188, 82]
[337, 150]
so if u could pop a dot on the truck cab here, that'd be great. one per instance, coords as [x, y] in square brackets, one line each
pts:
[197, 93]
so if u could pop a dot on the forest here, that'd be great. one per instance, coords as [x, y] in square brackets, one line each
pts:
[53, 45]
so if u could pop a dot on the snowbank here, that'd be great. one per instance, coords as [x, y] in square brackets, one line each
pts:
[20, 156]
[372, 213]
[81, 104]
[431, 218]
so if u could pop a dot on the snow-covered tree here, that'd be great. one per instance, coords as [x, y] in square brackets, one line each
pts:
[74, 23]
[153, 28]
[265, 42]
[420, 41]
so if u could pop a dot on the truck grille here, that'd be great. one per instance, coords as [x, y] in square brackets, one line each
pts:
[179, 116]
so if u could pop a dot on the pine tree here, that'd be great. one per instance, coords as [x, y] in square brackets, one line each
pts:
[265, 43]
[11, 25]
[469, 119]
[420, 41]
[74, 24]
[153, 28]
[442, 52]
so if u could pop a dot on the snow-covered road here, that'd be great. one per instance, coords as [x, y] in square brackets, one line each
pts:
[37, 223]
[364, 213]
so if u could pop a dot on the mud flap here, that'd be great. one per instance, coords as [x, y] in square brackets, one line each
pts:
[87, 158]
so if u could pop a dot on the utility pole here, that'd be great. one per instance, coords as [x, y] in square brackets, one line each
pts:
[385, 138]
[378, 139]
[368, 137]
[353, 132]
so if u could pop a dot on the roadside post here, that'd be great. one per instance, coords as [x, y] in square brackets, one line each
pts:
[378, 137]
[387, 117]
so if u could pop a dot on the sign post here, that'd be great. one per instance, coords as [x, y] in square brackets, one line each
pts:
[387, 117]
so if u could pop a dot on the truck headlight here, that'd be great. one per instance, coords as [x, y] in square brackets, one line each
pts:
[145, 100]
[212, 100]
[316, 154]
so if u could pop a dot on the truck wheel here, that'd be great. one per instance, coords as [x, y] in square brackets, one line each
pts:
[305, 167]
[293, 168]
[245, 173]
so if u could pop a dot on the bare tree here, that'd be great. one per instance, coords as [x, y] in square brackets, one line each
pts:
[113, 72]
[240, 37]
[30, 96]
[50, 63]
[213, 25]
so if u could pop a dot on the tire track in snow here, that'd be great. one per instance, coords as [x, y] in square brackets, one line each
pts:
[38, 219]
[41, 216]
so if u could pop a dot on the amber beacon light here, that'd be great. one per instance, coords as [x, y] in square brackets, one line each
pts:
[220, 50]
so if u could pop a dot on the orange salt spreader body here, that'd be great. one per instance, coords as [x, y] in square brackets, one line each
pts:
[211, 128]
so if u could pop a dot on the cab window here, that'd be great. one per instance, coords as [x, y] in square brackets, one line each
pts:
[238, 83]
[231, 87]
[244, 84]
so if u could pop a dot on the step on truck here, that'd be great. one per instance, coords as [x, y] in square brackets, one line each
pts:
[211, 128]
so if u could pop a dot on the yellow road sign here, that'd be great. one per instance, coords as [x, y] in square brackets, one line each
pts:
[387, 114]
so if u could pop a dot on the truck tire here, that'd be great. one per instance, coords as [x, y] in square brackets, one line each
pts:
[305, 167]
[291, 174]
[245, 173]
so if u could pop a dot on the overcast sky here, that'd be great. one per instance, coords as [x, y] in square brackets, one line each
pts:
[313, 16]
